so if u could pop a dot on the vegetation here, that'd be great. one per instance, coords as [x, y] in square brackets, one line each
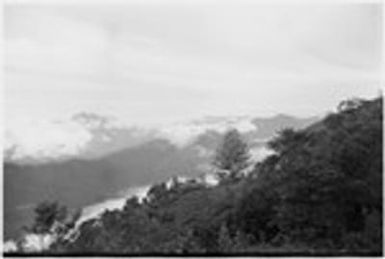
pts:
[232, 154]
[321, 192]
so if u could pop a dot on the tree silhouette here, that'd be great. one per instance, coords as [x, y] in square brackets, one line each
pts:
[46, 214]
[232, 154]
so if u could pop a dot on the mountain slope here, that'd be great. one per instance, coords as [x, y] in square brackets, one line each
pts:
[79, 182]
[82, 182]
[319, 194]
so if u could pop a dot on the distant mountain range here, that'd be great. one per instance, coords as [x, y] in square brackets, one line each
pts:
[116, 157]
[89, 135]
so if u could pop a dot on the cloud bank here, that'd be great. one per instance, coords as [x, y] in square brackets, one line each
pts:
[149, 63]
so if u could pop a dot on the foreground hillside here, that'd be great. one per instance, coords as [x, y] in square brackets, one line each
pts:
[79, 182]
[320, 193]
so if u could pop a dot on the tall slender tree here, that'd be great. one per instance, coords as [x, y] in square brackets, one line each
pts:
[232, 154]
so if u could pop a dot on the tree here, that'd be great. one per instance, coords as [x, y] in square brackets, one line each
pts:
[232, 154]
[285, 140]
[227, 243]
[255, 210]
[52, 225]
[47, 213]
[49, 217]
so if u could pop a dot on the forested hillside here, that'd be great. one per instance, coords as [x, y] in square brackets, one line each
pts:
[82, 181]
[320, 193]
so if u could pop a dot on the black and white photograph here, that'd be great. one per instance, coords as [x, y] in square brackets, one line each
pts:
[192, 128]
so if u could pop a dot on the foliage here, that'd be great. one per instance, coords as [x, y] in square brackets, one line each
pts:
[232, 154]
[320, 191]
[46, 214]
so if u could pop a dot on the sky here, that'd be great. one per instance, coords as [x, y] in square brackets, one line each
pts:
[155, 63]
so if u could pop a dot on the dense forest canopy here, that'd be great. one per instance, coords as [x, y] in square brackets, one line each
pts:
[320, 192]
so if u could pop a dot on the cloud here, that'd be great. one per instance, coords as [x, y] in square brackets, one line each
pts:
[10, 246]
[31, 243]
[147, 63]
[96, 210]
[182, 134]
[45, 139]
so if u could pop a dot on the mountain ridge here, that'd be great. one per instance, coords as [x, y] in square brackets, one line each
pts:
[89, 135]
